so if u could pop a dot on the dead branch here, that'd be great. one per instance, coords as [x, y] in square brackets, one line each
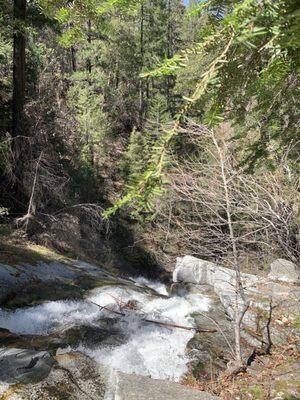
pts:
[151, 321]
[221, 332]
[30, 210]
[194, 210]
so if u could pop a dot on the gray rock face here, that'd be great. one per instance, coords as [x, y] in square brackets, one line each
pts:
[285, 271]
[75, 376]
[134, 387]
[28, 281]
[193, 270]
[259, 291]
[24, 365]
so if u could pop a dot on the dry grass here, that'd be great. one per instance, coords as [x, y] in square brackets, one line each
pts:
[15, 249]
[274, 376]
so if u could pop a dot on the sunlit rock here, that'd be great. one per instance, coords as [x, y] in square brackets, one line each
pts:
[285, 271]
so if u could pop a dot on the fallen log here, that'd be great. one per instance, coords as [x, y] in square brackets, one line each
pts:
[166, 324]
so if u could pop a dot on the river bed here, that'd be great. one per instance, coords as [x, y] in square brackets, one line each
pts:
[141, 348]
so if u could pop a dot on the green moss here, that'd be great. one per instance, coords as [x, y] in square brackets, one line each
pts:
[281, 385]
[5, 230]
[35, 294]
[297, 322]
[87, 282]
[257, 391]
[14, 254]
[15, 249]
[200, 367]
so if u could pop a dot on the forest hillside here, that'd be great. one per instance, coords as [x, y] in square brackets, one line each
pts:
[127, 105]
[137, 132]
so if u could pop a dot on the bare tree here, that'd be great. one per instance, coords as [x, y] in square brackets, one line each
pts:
[31, 206]
[241, 303]
[215, 210]
[194, 216]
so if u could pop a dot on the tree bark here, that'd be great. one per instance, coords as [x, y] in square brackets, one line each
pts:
[141, 83]
[18, 68]
[73, 59]
[241, 303]
[89, 39]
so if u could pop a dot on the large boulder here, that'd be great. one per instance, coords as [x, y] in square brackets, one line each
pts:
[266, 297]
[24, 365]
[23, 284]
[135, 387]
[193, 270]
[76, 376]
[285, 271]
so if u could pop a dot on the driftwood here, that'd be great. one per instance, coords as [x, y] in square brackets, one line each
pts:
[30, 211]
[166, 324]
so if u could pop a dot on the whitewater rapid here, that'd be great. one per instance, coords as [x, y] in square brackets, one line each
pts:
[148, 349]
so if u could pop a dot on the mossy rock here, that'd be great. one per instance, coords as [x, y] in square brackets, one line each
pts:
[39, 292]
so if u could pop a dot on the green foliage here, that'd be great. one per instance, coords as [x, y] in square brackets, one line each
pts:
[297, 322]
[140, 157]
[87, 108]
[251, 80]
[73, 16]
[5, 80]
[169, 67]
[5, 161]
[217, 61]
[37, 57]
[136, 161]
[136, 156]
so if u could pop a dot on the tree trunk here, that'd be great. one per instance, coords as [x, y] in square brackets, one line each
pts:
[89, 39]
[141, 83]
[73, 59]
[169, 55]
[241, 304]
[89, 137]
[18, 68]
[19, 148]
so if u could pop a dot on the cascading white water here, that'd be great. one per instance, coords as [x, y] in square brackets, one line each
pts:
[149, 349]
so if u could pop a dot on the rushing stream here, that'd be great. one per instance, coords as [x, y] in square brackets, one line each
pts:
[146, 349]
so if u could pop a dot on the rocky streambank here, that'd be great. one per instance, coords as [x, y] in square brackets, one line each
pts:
[73, 375]
[72, 330]
[270, 328]
[274, 295]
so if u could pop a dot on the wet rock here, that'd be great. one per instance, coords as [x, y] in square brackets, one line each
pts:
[24, 365]
[210, 352]
[285, 271]
[9, 339]
[35, 342]
[75, 376]
[93, 336]
[29, 284]
[134, 387]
